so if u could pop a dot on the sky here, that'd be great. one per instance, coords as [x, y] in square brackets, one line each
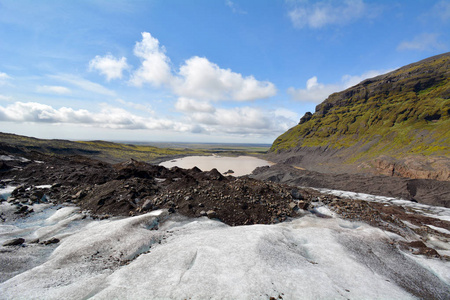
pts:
[200, 70]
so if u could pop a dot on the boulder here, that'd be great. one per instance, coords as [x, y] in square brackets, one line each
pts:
[14, 242]
[211, 214]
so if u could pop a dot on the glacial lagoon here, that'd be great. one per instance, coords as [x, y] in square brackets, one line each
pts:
[241, 165]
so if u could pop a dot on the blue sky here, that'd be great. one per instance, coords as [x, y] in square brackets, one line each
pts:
[197, 71]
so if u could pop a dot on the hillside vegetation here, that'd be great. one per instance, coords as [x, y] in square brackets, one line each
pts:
[118, 152]
[105, 151]
[405, 112]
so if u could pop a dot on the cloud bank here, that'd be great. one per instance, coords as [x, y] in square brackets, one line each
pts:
[201, 117]
[108, 117]
[237, 120]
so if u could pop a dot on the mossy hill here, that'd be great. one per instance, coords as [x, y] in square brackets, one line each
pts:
[102, 150]
[401, 113]
[112, 152]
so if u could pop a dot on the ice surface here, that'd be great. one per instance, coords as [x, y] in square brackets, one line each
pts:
[6, 191]
[11, 157]
[43, 186]
[437, 212]
[443, 230]
[153, 256]
[157, 256]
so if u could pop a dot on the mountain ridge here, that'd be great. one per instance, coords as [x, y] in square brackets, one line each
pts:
[393, 124]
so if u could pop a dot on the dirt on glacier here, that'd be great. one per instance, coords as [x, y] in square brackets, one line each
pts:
[133, 188]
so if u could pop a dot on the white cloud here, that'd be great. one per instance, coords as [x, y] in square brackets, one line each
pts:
[4, 78]
[5, 98]
[323, 13]
[84, 84]
[242, 120]
[109, 66]
[243, 117]
[314, 92]
[201, 79]
[422, 42]
[191, 105]
[46, 89]
[155, 68]
[349, 80]
[108, 117]
[285, 113]
[318, 92]
[197, 78]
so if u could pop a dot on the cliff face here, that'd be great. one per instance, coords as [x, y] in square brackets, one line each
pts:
[386, 124]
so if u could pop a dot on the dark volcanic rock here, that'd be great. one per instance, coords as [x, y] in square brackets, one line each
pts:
[426, 191]
[14, 242]
[306, 117]
[134, 187]
[50, 241]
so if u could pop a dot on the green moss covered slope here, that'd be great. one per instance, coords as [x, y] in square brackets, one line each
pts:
[405, 112]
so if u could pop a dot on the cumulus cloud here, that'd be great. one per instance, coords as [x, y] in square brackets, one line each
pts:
[314, 92]
[197, 78]
[423, 42]
[241, 120]
[201, 79]
[318, 92]
[108, 117]
[155, 68]
[109, 66]
[320, 14]
[46, 89]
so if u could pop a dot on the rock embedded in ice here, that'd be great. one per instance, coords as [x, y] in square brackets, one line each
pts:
[14, 242]
[51, 241]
